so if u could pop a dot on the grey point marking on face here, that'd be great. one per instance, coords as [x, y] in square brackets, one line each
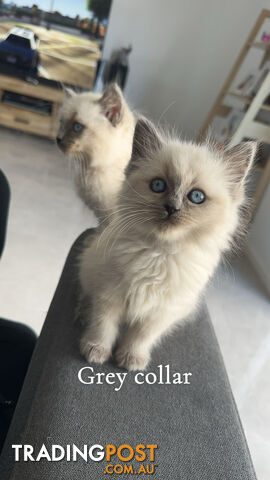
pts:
[69, 131]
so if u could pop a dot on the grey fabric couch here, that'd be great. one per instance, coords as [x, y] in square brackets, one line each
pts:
[195, 426]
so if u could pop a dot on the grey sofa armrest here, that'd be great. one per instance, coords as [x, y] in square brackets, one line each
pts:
[195, 425]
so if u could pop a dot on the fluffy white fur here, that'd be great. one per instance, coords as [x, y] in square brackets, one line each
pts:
[147, 269]
[102, 150]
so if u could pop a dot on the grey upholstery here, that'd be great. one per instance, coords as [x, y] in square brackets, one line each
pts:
[196, 427]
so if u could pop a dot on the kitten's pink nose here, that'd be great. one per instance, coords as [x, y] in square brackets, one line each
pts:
[170, 209]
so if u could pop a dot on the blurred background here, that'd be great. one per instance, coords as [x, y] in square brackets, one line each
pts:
[196, 65]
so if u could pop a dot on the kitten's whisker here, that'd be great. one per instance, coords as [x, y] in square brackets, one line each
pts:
[123, 209]
[135, 190]
[119, 225]
[121, 221]
[116, 227]
[165, 111]
[146, 201]
[126, 227]
[109, 230]
[121, 228]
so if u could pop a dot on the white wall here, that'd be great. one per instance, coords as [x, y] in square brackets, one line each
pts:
[182, 52]
[259, 240]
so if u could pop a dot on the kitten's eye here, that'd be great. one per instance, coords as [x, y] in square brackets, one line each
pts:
[158, 185]
[77, 127]
[196, 196]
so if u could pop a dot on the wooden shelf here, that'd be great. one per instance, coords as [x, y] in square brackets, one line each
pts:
[24, 119]
[261, 45]
[223, 110]
[265, 107]
[247, 100]
[248, 127]
[258, 130]
[14, 84]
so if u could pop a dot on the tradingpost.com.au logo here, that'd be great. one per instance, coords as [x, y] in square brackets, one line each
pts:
[119, 459]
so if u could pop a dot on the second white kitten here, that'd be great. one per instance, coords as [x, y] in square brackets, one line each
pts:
[96, 132]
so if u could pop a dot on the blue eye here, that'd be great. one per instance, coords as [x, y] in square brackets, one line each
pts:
[196, 196]
[77, 127]
[158, 185]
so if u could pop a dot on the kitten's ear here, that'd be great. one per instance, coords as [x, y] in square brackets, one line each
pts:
[112, 104]
[239, 160]
[146, 139]
[68, 92]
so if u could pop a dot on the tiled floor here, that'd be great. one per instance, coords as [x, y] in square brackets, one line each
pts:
[46, 217]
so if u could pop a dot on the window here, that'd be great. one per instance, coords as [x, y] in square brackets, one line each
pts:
[19, 41]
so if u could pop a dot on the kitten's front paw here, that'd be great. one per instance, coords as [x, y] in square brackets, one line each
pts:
[94, 353]
[131, 361]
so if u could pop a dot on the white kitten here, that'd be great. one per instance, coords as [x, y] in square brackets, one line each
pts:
[96, 131]
[177, 212]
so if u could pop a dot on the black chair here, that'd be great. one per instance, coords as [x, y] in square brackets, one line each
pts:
[4, 206]
[17, 341]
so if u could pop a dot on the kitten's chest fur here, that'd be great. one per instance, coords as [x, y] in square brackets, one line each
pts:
[163, 278]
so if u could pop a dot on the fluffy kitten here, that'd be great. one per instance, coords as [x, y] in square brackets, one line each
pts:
[96, 131]
[178, 210]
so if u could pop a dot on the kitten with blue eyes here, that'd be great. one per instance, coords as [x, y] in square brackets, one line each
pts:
[177, 212]
[96, 133]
